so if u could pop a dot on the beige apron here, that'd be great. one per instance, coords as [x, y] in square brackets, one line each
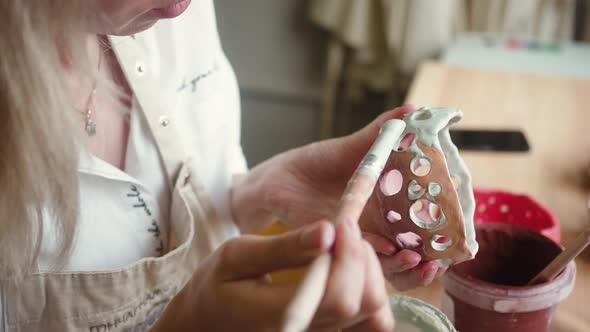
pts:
[132, 298]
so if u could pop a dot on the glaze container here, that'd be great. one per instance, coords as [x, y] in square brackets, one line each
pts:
[489, 293]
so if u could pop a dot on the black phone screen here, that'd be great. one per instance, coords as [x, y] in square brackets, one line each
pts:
[490, 140]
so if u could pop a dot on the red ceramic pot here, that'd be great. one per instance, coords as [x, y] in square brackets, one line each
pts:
[517, 209]
[489, 293]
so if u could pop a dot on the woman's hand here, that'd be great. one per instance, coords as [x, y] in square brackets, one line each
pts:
[402, 268]
[231, 290]
[305, 184]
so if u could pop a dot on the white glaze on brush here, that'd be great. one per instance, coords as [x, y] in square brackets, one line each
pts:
[301, 309]
[388, 140]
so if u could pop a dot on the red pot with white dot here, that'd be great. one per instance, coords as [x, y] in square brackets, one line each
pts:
[518, 209]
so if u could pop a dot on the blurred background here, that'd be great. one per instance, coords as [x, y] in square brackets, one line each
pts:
[293, 57]
[316, 69]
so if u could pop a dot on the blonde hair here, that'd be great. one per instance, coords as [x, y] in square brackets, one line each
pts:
[38, 147]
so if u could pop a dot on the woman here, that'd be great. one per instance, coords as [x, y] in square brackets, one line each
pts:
[123, 177]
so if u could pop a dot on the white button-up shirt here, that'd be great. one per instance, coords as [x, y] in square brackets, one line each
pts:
[124, 213]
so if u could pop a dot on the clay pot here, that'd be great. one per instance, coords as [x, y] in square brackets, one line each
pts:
[489, 293]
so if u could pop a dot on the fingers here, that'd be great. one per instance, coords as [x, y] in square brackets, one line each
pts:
[375, 296]
[440, 272]
[375, 302]
[358, 143]
[252, 256]
[402, 268]
[356, 286]
[380, 244]
[342, 299]
[420, 276]
[400, 112]
[396, 113]
[399, 262]
[381, 321]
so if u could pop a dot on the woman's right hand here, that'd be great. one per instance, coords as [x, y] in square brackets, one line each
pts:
[231, 289]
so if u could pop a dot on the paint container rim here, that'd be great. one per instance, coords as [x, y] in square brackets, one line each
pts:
[508, 298]
[421, 313]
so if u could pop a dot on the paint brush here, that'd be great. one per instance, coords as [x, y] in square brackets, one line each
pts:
[302, 308]
[562, 260]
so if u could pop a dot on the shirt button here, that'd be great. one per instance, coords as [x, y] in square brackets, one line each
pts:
[140, 68]
[164, 121]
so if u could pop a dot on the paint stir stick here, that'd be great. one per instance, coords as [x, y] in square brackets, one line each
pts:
[560, 262]
[302, 308]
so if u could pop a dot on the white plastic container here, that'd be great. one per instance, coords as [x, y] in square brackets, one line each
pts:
[413, 315]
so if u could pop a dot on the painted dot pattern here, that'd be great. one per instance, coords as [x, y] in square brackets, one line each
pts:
[391, 183]
[409, 240]
[393, 216]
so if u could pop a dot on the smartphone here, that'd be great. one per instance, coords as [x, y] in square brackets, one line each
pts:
[490, 140]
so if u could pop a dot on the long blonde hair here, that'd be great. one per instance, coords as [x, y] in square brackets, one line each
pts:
[38, 149]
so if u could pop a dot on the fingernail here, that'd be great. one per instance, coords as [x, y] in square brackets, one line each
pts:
[428, 275]
[328, 237]
[390, 250]
[318, 236]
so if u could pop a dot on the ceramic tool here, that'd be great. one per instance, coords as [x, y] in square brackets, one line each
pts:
[425, 193]
[301, 310]
[560, 262]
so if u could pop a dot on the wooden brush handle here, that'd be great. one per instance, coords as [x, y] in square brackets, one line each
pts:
[302, 308]
[560, 262]
[311, 290]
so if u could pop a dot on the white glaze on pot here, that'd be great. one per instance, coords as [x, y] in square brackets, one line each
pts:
[431, 128]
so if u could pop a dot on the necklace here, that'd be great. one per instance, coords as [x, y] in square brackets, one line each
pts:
[90, 124]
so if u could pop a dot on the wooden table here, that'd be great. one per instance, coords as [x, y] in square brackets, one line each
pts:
[554, 113]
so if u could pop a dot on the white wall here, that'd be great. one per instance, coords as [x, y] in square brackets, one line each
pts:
[278, 56]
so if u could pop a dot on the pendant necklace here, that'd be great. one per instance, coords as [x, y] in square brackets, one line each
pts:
[90, 124]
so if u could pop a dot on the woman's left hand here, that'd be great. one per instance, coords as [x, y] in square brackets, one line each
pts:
[305, 184]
